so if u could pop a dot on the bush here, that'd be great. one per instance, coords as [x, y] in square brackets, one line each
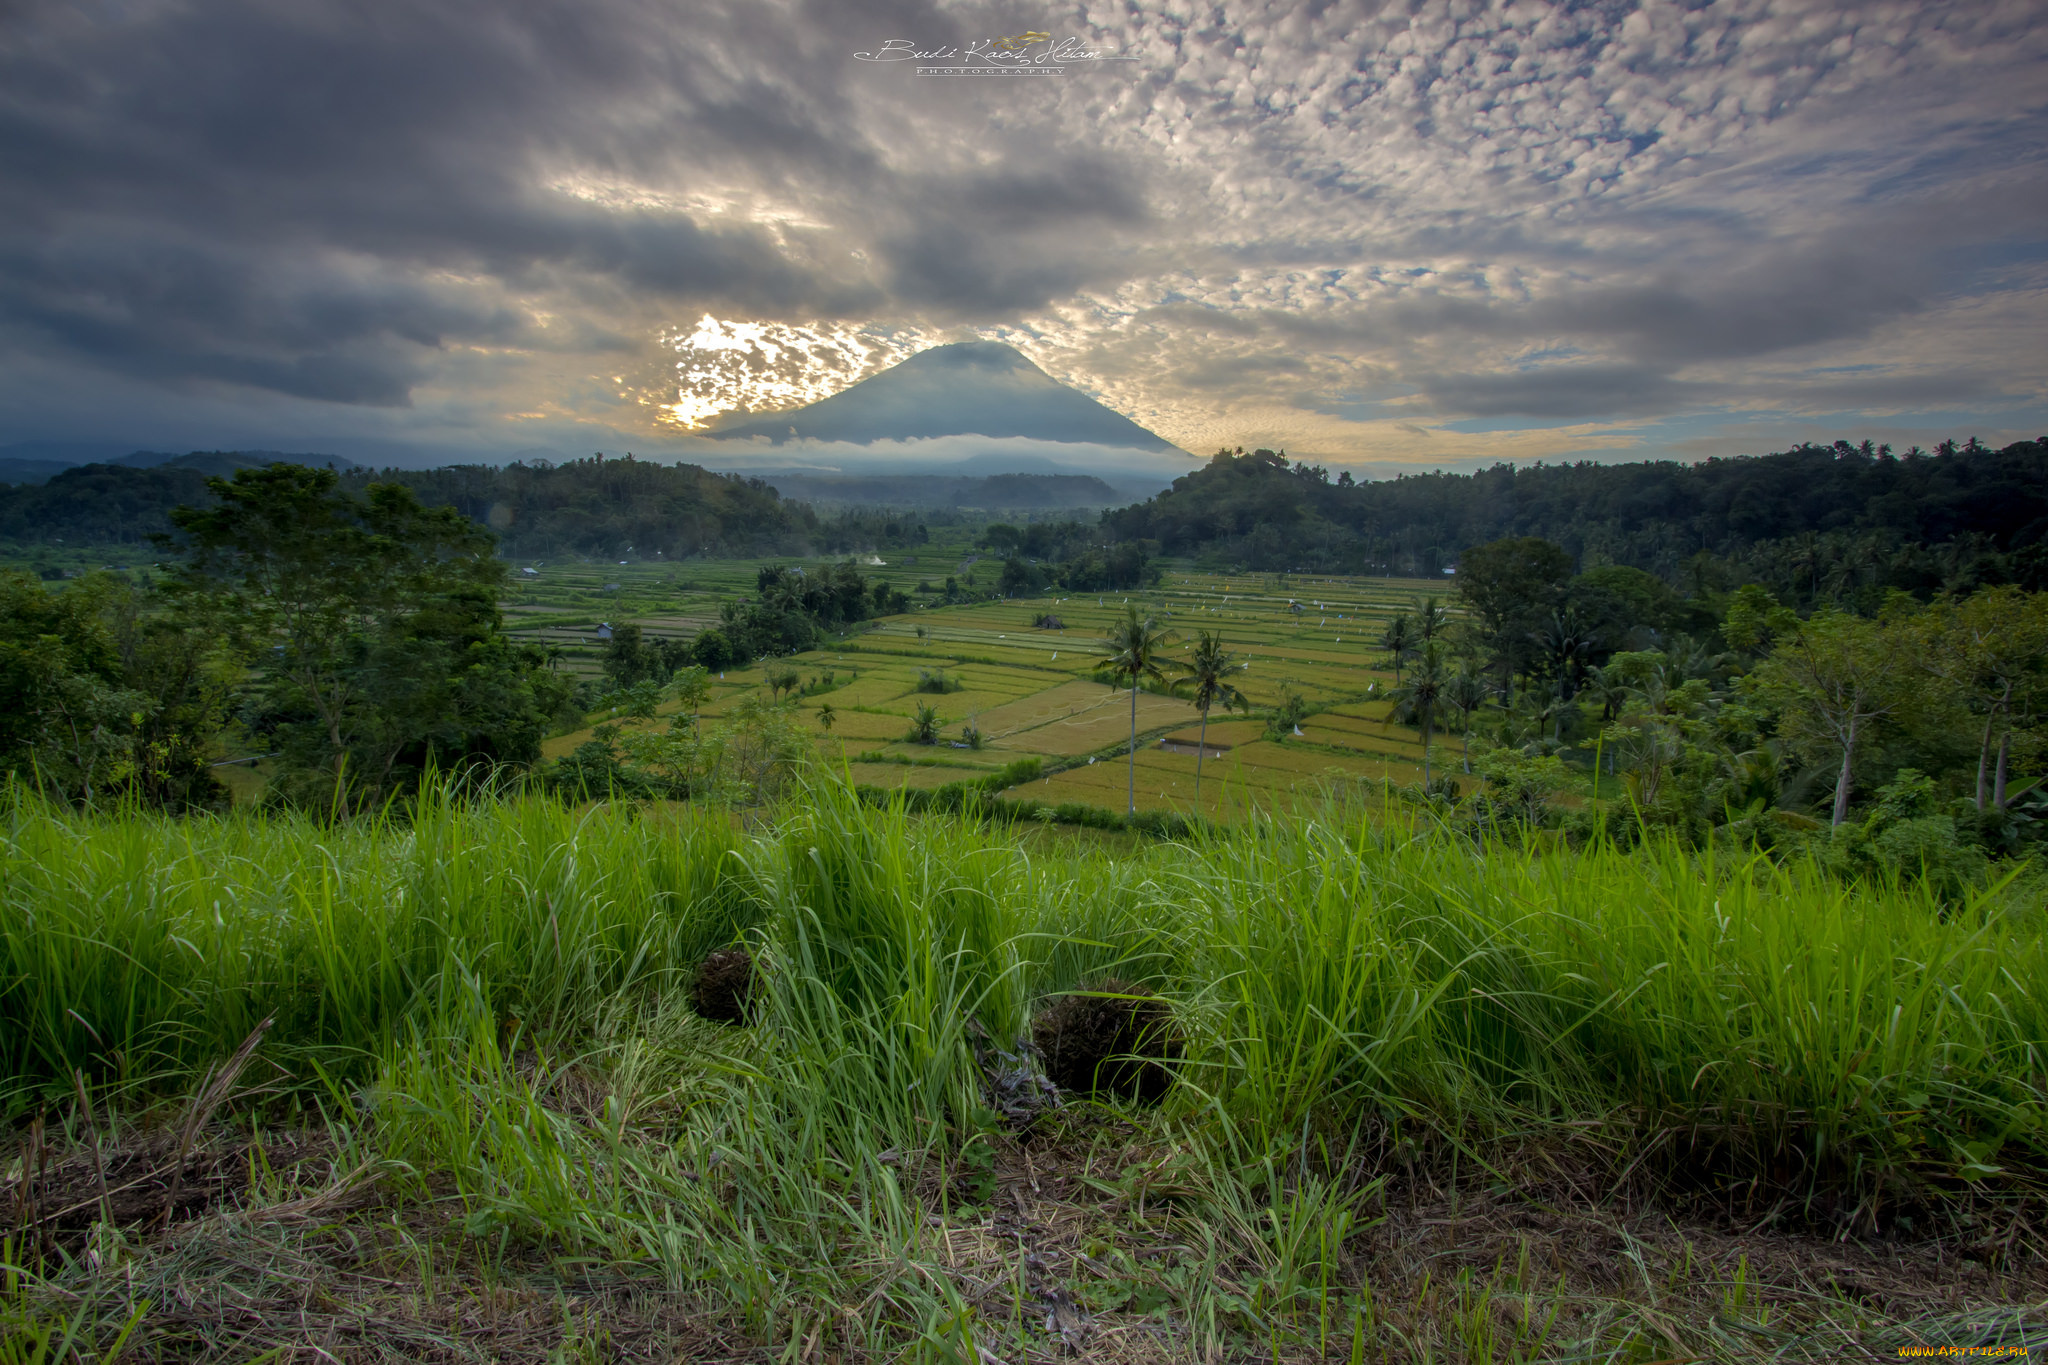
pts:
[1291, 712]
[937, 682]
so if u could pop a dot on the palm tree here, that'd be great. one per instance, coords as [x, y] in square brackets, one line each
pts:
[1208, 669]
[1468, 691]
[1431, 620]
[1398, 639]
[1135, 648]
[1420, 696]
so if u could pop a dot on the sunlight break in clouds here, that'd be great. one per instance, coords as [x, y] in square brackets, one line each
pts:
[730, 366]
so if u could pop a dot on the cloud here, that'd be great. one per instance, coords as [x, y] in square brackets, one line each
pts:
[1578, 391]
[1331, 225]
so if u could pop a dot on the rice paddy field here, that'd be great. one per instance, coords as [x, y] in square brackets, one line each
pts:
[1032, 692]
[448, 1088]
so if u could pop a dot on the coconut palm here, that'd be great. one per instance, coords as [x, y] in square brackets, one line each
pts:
[1135, 649]
[1209, 669]
[1399, 640]
[1431, 620]
[1426, 689]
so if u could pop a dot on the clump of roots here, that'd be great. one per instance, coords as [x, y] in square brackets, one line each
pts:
[1109, 1039]
[724, 988]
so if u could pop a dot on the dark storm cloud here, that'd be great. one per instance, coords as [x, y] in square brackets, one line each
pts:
[313, 199]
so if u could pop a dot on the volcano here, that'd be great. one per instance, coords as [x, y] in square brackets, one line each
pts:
[974, 388]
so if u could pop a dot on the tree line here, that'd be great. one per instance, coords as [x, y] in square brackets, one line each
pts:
[1816, 523]
[605, 508]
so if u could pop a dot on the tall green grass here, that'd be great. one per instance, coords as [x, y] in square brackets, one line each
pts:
[140, 948]
[1760, 1017]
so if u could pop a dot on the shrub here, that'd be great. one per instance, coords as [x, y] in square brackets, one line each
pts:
[1291, 712]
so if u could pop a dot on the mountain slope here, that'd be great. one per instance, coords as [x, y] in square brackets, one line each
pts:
[977, 388]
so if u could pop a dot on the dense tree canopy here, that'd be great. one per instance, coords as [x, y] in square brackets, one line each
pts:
[597, 507]
[1814, 522]
[106, 689]
[373, 624]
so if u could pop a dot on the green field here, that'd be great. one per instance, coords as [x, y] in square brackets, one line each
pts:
[1033, 692]
[1428, 1102]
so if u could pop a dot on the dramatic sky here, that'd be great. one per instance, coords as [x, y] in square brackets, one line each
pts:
[1379, 235]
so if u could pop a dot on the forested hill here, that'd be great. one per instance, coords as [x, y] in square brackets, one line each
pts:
[595, 507]
[1859, 504]
[605, 507]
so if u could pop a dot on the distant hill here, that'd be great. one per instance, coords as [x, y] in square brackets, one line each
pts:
[62, 454]
[45, 460]
[31, 471]
[224, 462]
[99, 504]
[997, 492]
[976, 388]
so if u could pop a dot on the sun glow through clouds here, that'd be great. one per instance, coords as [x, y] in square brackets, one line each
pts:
[725, 366]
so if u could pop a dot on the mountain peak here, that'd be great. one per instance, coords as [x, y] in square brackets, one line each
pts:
[968, 388]
[979, 355]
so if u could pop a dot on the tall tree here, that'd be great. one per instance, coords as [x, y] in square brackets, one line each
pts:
[1511, 587]
[374, 624]
[1833, 679]
[1990, 652]
[1135, 650]
[1209, 667]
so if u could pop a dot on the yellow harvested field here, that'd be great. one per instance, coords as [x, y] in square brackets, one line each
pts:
[1222, 732]
[1061, 701]
[853, 725]
[1098, 726]
[905, 775]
